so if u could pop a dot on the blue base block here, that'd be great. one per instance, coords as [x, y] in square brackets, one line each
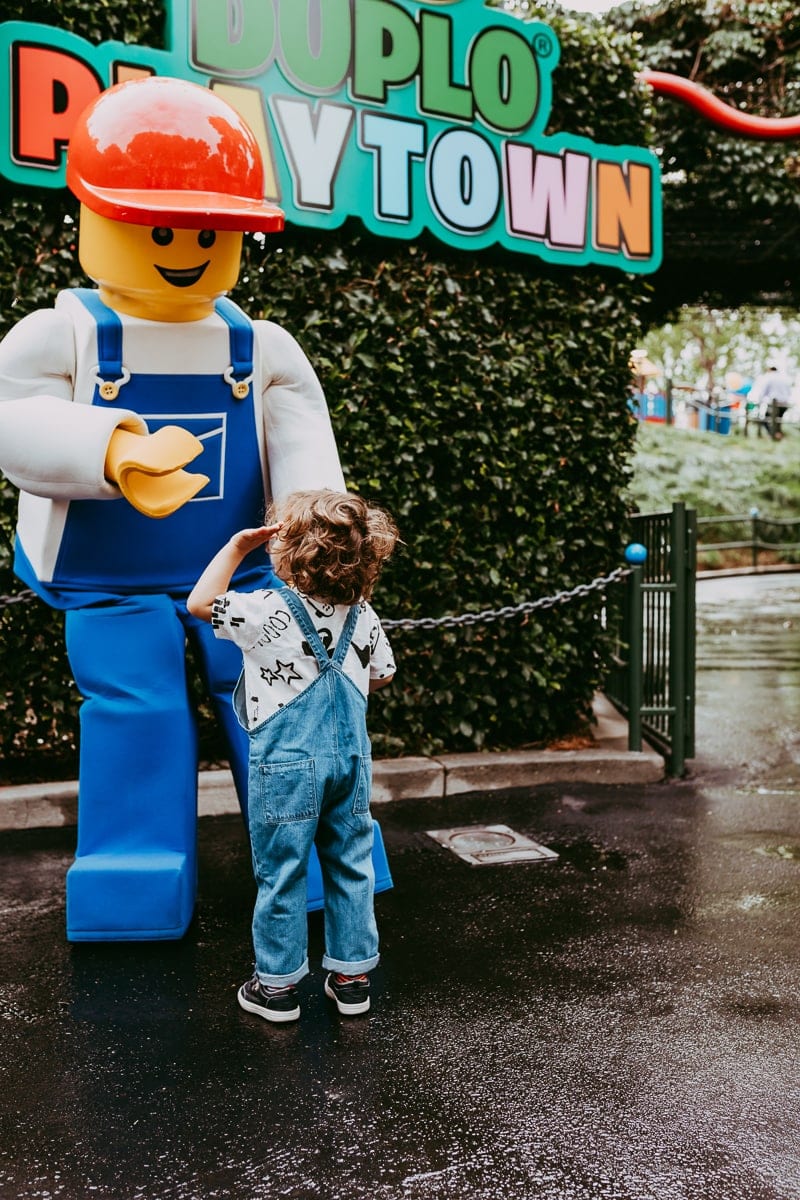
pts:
[130, 897]
[383, 877]
[150, 897]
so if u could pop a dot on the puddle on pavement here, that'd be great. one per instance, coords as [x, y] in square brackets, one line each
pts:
[587, 856]
[758, 1007]
[752, 902]
[773, 847]
[787, 852]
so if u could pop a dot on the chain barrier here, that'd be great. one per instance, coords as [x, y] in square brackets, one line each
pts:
[19, 598]
[497, 614]
[479, 618]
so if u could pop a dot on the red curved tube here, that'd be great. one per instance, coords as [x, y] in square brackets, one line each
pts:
[719, 113]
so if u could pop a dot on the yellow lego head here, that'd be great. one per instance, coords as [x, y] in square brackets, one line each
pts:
[157, 272]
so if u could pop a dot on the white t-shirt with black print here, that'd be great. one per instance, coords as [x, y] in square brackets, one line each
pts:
[278, 662]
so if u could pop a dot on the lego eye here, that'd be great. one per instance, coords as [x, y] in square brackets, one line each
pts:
[206, 238]
[161, 236]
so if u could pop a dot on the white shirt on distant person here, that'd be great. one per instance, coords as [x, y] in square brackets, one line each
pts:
[772, 387]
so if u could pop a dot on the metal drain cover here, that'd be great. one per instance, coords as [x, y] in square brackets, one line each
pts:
[485, 844]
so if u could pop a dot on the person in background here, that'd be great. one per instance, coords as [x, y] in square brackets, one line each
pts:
[772, 392]
[313, 650]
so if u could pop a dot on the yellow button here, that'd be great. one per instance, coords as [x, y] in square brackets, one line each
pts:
[109, 391]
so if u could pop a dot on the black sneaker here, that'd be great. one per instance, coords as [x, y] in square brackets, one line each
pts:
[351, 994]
[274, 1004]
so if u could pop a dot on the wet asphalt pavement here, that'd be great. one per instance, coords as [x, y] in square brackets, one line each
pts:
[621, 1024]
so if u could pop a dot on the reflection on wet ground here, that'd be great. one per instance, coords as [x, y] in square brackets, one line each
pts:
[748, 679]
[617, 1024]
[749, 621]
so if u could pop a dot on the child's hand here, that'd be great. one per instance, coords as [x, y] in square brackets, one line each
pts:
[250, 539]
[218, 574]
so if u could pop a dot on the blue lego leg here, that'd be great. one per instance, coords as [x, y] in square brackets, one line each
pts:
[380, 863]
[135, 872]
[220, 666]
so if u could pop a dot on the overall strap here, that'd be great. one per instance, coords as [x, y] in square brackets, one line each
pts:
[111, 374]
[240, 372]
[300, 614]
[343, 645]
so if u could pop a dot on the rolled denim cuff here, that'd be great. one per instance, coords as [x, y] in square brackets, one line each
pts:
[350, 968]
[283, 980]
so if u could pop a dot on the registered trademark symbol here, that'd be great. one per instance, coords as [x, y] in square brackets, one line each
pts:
[543, 45]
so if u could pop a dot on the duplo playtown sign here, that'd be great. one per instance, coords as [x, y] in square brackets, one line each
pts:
[408, 116]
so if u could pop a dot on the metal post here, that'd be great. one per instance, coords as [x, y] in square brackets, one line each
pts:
[754, 515]
[677, 638]
[668, 400]
[690, 659]
[635, 555]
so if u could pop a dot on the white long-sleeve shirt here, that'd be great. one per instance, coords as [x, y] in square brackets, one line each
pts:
[53, 440]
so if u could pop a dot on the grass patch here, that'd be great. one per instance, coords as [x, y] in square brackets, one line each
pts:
[715, 475]
[721, 476]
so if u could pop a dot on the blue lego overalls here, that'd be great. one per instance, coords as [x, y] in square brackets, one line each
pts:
[123, 578]
[310, 784]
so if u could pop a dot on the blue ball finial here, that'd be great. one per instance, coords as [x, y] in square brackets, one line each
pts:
[635, 554]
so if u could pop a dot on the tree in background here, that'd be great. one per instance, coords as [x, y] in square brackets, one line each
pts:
[731, 203]
[702, 345]
[748, 55]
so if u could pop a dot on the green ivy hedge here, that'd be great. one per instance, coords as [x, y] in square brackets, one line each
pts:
[481, 399]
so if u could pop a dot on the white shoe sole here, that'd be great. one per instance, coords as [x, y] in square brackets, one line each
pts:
[269, 1014]
[347, 1010]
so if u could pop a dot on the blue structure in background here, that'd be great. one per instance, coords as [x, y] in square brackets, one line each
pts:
[647, 407]
[715, 418]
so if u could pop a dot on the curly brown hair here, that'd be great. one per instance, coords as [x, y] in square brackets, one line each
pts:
[332, 545]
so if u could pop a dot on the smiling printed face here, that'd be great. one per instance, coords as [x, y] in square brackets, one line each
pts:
[159, 273]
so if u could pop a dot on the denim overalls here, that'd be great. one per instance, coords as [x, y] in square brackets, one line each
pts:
[310, 782]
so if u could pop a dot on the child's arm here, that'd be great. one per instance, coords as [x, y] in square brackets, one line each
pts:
[382, 668]
[217, 575]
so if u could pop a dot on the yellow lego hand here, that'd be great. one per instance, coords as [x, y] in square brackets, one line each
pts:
[147, 469]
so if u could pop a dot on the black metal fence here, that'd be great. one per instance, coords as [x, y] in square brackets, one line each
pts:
[652, 681]
[770, 539]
